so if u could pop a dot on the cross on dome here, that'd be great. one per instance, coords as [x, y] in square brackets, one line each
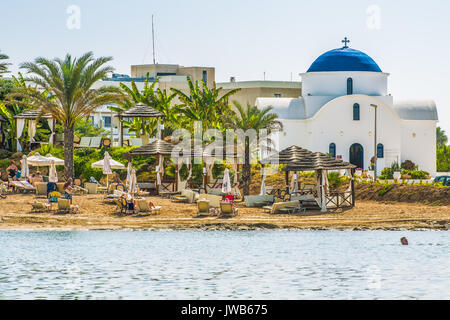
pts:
[345, 41]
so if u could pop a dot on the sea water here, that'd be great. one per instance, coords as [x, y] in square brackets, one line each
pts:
[224, 265]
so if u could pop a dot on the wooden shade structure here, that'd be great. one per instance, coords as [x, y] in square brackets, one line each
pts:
[158, 148]
[140, 110]
[299, 159]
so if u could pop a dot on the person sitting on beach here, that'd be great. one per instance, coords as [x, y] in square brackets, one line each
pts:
[36, 177]
[68, 190]
[151, 205]
[130, 204]
[12, 170]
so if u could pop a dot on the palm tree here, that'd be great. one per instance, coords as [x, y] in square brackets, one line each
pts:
[251, 117]
[205, 105]
[3, 65]
[441, 138]
[70, 97]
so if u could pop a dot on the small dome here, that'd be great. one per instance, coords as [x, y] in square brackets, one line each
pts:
[344, 59]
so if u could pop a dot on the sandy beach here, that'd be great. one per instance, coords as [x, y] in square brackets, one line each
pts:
[95, 214]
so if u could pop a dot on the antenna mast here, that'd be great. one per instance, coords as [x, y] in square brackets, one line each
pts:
[153, 40]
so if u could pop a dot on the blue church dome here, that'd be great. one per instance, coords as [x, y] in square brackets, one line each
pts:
[344, 59]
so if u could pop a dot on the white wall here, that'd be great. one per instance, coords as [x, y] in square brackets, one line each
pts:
[419, 144]
[335, 83]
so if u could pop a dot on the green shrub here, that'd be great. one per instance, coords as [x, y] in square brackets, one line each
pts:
[409, 165]
[387, 173]
[4, 163]
[416, 174]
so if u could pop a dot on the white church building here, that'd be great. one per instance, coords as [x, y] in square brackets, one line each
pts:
[336, 114]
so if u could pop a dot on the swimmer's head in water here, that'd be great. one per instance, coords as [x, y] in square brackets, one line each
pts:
[404, 241]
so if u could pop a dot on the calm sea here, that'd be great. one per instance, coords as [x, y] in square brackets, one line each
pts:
[224, 265]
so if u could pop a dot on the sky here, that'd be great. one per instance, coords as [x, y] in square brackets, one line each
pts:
[243, 39]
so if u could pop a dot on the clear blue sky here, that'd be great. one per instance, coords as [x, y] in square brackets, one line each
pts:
[243, 38]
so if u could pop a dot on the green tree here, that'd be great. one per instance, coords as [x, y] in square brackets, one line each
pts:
[441, 138]
[70, 95]
[443, 159]
[6, 87]
[132, 97]
[247, 118]
[3, 65]
[206, 105]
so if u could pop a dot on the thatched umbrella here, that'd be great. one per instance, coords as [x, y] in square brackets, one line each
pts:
[142, 111]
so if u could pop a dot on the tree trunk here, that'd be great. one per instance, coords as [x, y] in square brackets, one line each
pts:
[246, 171]
[68, 152]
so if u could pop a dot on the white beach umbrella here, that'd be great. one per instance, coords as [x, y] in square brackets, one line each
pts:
[25, 168]
[263, 181]
[133, 182]
[159, 170]
[294, 183]
[129, 169]
[53, 175]
[107, 164]
[226, 184]
[58, 161]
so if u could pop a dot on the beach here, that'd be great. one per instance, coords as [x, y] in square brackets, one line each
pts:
[95, 214]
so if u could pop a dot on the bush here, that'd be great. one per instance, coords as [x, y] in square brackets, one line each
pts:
[409, 165]
[387, 173]
[416, 174]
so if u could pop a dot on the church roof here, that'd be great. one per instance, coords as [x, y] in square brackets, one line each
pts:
[416, 109]
[344, 59]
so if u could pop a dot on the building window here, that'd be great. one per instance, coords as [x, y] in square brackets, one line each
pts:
[332, 150]
[380, 151]
[277, 95]
[356, 111]
[349, 86]
[205, 76]
[107, 121]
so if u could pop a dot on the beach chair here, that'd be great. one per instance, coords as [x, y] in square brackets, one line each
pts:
[185, 196]
[283, 207]
[95, 142]
[144, 207]
[65, 207]
[227, 209]
[85, 142]
[38, 206]
[202, 207]
[91, 187]
[41, 189]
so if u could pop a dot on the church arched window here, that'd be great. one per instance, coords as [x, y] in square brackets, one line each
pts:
[380, 151]
[332, 150]
[356, 111]
[349, 86]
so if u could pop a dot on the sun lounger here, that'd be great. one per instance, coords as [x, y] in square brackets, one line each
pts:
[144, 207]
[64, 206]
[283, 207]
[80, 190]
[214, 201]
[202, 207]
[259, 201]
[185, 196]
[95, 142]
[41, 189]
[38, 206]
[227, 209]
[22, 186]
[85, 142]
